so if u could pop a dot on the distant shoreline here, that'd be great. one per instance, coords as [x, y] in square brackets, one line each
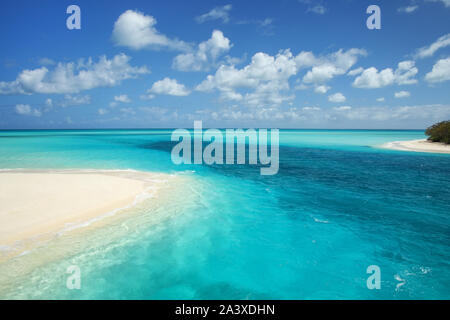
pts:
[421, 145]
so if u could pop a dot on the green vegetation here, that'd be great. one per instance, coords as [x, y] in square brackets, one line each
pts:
[439, 132]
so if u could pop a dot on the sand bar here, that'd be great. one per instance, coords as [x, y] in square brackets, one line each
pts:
[422, 145]
[37, 203]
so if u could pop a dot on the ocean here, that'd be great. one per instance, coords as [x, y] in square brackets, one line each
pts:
[338, 205]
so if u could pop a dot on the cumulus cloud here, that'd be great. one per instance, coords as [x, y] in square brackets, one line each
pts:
[337, 97]
[218, 13]
[402, 94]
[206, 54]
[322, 89]
[136, 30]
[372, 78]
[73, 77]
[170, 87]
[428, 51]
[122, 98]
[267, 77]
[27, 110]
[381, 99]
[440, 71]
[328, 67]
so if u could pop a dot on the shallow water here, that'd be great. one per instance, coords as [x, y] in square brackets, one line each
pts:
[337, 205]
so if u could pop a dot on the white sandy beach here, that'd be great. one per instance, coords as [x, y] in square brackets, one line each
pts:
[37, 203]
[421, 145]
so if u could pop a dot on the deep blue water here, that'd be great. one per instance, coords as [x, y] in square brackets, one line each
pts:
[337, 205]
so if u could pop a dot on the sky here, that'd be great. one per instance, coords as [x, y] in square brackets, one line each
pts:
[236, 64]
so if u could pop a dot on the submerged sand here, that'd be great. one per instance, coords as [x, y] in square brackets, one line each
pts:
[33, 204]
[418, 146]
[55, 218]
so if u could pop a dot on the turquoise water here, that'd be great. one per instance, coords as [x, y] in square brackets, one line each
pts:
[338, 205]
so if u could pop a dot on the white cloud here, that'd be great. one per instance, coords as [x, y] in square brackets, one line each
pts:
[122, 98]
[337, 98]
[356, 71]
[206, 55]
[267, 77]
[25, 109]
[440, 71]
[147, 96]
[170, 87]
[381, 99]
[46, 62]
[73, 77]
[314, 7]
[218, 13]
[342, 108]
[341, 117]
[265, 26]
[444, 2]
[402, 94]
[337, 63]
[370, 78]
[427, 112]
[102, 111]
[408, 9]
[428, 51]
[266, 22]
[311, 109]
[70, 100]
[319, 9]
[49, 102]
[136, 30]
[322, 89]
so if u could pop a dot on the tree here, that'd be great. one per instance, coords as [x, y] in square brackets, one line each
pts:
[439, 132]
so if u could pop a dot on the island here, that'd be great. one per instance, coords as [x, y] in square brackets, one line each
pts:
[438, 140]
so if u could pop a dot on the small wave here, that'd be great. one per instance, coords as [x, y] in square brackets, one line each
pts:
[425, 270]
[320, 221]
[402, 282]
[147, 194]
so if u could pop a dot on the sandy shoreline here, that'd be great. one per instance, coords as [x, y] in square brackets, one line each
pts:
[421, 145]
[33, 204]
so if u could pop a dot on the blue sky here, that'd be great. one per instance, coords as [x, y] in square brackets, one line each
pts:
[284, 64]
